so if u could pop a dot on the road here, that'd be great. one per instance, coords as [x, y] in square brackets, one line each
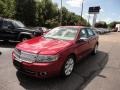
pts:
[99, 72]
[111, 81]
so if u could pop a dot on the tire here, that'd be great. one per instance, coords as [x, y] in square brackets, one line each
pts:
[0, 53]
[24, 38]
[94, 52]
[68, 66]
[6, 41]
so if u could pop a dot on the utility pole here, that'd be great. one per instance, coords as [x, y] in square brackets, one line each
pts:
[88, 19]
[94, 20]
[61, 14]
[82, 10]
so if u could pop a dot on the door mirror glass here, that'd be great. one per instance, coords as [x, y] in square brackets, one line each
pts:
[83, 36]
[83, 39]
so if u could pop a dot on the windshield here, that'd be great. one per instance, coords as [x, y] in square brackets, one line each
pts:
[18, 24]
[64, 33]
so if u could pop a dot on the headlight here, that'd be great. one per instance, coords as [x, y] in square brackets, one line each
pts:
[46, 58]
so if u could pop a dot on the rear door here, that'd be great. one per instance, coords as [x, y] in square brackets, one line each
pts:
[8, 30]
[91, 38]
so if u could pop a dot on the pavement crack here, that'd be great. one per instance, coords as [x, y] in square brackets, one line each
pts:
[102, 76]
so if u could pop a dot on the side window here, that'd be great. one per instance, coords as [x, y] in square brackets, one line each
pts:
[90, 32]
[1, 22]
[83, 33]
[10, 24]
[6, 24]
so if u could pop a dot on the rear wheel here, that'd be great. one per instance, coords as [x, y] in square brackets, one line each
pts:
[95, 49]
[5, 41]
[0, 53]
[68, 66]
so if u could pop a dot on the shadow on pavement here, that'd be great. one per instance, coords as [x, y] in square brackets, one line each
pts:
[84, 73]
[8, 44]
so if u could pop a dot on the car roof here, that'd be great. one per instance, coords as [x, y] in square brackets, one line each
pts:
[77, 27]
[10, 20]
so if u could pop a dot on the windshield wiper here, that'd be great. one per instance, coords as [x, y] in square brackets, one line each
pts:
[50, 37]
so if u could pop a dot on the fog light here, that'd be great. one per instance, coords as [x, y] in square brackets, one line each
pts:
[43, 73]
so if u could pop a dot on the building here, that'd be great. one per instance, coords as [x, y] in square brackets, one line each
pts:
[118, 27]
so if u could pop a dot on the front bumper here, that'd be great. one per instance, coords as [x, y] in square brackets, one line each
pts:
[39, 70]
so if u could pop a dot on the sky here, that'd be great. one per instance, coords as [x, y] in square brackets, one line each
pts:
[110, 9]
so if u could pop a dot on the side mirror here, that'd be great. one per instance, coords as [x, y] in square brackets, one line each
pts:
[82, 39]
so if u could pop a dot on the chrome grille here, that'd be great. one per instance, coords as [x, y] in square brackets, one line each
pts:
[24, 56]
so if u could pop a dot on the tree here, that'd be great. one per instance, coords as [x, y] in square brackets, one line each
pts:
[38, 13]
[113, 24]
[101, 24]
[47, 13]
[7, 8]
[70, 18]
[26, 11]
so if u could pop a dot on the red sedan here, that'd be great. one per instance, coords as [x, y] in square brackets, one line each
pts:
[56, 52]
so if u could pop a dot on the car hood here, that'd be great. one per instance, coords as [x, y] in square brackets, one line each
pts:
[43, 45]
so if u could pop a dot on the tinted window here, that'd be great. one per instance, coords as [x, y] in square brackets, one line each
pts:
[18, 24]
[1, 22]
[7, 23]
[90, 32]
[83, 33]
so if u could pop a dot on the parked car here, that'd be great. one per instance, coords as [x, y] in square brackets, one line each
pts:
[101, 30]
[43, 30]
[56, 52]
[15, 30]
[98, 31]
[114, 30]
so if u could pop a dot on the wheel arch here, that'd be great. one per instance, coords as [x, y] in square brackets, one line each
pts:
[24, 34]
[74, 56]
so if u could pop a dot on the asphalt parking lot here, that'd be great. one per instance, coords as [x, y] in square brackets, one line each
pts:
[100, 72]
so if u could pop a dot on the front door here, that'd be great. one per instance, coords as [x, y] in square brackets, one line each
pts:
[82, 47]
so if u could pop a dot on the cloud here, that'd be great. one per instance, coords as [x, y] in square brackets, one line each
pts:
[101, 10]
[108, 20]
[74, 3]
[86, 14]
[114, 14]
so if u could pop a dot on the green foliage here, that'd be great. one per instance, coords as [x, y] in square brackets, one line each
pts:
[70, 18]
[38, 13]
[113, 24]
[26, 11]
[7, 8]
[47, 13]
[101, 24]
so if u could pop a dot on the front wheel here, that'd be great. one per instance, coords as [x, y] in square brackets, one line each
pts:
[24, 38]
[68, 66]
